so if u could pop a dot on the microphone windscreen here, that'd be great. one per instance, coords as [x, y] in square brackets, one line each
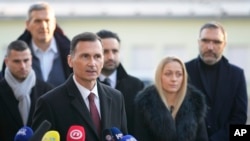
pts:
[40, 131]
[128, 138]
[116, 133]
[51, 135]
[23, 134]
[107, 135]
[76, 133]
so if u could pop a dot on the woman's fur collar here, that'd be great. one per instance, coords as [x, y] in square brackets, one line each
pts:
[159, 119]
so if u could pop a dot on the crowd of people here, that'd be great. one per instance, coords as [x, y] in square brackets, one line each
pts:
[47, 77]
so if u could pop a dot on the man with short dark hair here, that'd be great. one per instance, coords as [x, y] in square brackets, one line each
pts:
[114, 72]
[82, 100]
[19, 90]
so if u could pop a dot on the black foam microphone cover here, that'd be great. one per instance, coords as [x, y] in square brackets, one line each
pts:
[40, 131]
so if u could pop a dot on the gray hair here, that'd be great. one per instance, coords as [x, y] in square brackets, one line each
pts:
[39, 6]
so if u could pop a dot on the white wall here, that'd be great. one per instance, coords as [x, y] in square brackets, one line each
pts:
[145, 41]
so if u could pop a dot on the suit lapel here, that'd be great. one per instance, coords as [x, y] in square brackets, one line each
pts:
[33, 104]
[105, 106]
[12, 104]
[78, 103]
[222, 86]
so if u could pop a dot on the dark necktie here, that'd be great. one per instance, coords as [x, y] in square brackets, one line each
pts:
[107, 81]
[94, 113]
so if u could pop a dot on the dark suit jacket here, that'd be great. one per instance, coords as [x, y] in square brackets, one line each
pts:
[129, 86]
[64, 107]
[229, 105]
[1, 77]
[10, 119]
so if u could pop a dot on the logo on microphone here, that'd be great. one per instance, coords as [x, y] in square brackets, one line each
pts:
[22, 131]
[76, 134]
[119, 136]
[108, 137]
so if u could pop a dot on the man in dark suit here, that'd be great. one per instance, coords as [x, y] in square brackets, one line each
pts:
[116, 74]
[223, 83]
[68, 104]
[49, 46]
[19, 90]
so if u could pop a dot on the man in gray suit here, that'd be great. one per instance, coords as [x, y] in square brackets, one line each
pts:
[68, 104]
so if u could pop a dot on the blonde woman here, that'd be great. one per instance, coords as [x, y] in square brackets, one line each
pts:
[170, 110]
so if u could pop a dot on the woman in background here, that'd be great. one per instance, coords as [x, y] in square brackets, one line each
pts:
[170, 110]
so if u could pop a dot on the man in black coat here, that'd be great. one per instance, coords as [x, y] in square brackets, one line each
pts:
[48, 44]
[18, 87]
[68, 104]
[116, 74]
[223, 83]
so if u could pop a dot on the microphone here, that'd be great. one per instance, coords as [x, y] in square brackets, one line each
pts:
[23, 134]
[44, 127]
[76, 133]
[51, 135]
[107, 135]
[128, 138]
[117, 134]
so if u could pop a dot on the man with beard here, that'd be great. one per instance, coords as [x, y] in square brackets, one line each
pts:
[114, 74]
[223, 83]
[19, 90]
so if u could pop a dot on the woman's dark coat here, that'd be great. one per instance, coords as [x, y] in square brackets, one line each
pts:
[153, 121]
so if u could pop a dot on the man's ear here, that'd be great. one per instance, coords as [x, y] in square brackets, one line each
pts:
[70, 61]
[27, 25]
[6, 61]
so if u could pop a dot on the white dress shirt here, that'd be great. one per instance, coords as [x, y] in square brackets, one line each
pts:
[112, 78]
[46, 58]
[85, 93]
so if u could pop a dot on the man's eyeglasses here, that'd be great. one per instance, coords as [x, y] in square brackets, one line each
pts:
[217, 42]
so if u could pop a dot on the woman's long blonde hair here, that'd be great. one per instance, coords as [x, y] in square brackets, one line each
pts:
[158, 83]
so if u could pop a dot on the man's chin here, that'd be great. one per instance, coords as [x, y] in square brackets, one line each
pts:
[22, 78]
[210, 61]
[109, 69]
[44, 39]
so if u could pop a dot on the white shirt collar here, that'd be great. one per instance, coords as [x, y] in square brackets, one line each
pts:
[84, 91]
[51, 47]
[112, 78]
